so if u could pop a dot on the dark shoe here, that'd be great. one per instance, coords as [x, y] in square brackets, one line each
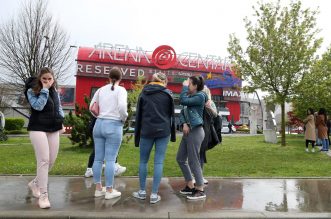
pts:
[187, 191]
[197, 195]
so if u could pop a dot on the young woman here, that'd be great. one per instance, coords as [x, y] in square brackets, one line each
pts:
[322, 130]
[208, 119]
[108, 131]
[44, 128]
[155, 123]
[310, 129]
[191, 118]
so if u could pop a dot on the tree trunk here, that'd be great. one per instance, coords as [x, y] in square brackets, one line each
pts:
[283, 123]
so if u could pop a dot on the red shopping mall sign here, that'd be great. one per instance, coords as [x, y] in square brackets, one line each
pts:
[163, 57]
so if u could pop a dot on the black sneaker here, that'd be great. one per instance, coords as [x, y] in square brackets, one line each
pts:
[197, 195]
[187, 191]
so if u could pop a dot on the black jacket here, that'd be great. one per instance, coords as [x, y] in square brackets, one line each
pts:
[155, 116]
[48, 119]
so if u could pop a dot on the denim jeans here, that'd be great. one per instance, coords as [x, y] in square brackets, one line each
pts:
[146, 145]
[107, 134]
[325, 144]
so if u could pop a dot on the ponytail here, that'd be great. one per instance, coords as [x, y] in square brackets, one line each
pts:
[115, 75]
[113, 80]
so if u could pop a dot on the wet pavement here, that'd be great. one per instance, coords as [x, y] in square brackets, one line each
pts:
[72, 197]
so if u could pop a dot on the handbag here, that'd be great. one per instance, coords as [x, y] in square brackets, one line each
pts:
[94, 109]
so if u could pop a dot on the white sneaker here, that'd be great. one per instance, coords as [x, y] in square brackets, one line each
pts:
[34, 188]
[141, 194]
[313, 150]
[44, 201]
[119, 169]
[307, 150]
[113, 194]
[154, 198]
[99, 193]
[88, 173]
[205, 181]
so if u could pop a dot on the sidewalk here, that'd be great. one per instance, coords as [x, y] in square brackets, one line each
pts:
[72, 197]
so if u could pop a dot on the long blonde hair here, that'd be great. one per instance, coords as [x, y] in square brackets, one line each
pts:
[160, 77]
[207, 91]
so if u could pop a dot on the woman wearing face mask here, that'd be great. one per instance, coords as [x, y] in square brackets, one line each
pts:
[191, 118]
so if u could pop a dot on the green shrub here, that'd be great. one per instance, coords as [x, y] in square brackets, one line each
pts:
[15, 132]
[14, 124]
[79, 121]
[3, 136]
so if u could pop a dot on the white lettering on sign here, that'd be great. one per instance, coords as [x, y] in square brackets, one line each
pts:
[132, 72]
[105, 70]
[119, 52]
[97, 69]
[231, 93]
[141, 72]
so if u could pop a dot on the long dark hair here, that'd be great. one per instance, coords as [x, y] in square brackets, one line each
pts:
[322, 111]
[199, 81]
[115, 75]
[310, 111]
[38, 86]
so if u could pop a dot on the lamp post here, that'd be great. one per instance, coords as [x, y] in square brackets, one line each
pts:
[260, 107]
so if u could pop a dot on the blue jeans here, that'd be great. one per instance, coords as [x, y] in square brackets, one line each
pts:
[325, 143]
[146, 145]
[107, 134]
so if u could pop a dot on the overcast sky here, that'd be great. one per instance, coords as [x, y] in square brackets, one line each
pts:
[186, 25]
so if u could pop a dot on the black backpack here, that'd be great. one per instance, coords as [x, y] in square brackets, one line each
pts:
[213, 134]
[29, 83]
[218, 127]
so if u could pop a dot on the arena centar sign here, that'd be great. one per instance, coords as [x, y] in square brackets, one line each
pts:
[139, 62]
[163, 57]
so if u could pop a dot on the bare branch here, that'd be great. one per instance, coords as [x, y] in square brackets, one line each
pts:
[30, 41]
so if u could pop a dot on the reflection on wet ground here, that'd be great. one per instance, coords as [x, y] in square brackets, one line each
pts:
[259, 195]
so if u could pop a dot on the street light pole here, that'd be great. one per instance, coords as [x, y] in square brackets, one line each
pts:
[260, 107]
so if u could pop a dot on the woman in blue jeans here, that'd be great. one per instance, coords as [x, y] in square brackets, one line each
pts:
[108, 131]
[155, 125]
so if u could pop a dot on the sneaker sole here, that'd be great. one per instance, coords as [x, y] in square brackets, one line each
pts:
[111, 197]
[140, 198]
[185, 193]
[154, 202]
[195, 198]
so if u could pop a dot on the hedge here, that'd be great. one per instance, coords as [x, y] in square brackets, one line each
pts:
[14, 124]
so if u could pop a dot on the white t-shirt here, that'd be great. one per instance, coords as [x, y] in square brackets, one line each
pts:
[113, 104]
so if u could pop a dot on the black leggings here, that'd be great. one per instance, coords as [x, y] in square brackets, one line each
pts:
[91, 159]
[312, 143]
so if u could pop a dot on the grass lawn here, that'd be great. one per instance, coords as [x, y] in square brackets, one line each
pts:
[245, 156]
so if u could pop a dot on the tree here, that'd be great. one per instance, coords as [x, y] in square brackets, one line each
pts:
[314, 91]
[30, 41]
[280, 51]
[133, 96]
[79, 123]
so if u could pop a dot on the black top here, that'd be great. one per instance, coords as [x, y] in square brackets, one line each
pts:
[155, 117]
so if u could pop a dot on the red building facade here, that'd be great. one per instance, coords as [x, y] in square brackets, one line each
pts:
[94, 64]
